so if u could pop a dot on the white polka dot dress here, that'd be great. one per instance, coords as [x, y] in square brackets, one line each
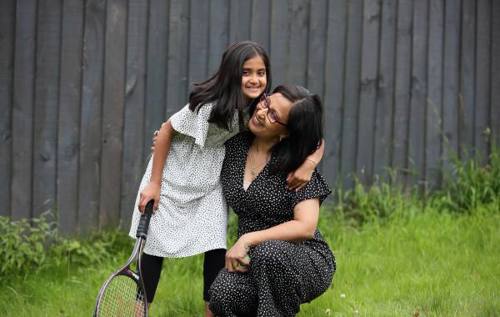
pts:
[282, 274]
[192, 214]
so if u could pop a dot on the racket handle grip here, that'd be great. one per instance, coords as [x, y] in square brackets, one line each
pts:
[142, 228]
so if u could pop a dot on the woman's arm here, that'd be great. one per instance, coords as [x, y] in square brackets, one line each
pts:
[300, 177]
[302, 227]
[161, 148]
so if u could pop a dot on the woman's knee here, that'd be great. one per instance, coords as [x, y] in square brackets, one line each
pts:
[270, 252]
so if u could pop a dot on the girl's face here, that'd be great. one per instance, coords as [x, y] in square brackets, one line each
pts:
[277, 109]
[254, 78]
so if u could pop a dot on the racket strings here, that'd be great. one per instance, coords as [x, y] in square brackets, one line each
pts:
[122, 297]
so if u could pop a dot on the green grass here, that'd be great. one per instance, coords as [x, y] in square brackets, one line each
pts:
[410, 264]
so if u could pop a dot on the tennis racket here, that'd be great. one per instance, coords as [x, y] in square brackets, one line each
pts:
[123, 293]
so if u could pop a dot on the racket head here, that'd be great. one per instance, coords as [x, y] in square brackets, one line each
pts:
[122, 295]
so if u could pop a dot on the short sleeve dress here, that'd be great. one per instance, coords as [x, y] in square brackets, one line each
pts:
[192, 213]
[282, 274]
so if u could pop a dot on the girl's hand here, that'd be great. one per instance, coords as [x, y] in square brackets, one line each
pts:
[151, 191]
[237, 258]
[301, 176]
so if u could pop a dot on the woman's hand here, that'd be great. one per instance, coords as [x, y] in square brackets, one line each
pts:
[151, 191]
[237, 258]
[301, 176]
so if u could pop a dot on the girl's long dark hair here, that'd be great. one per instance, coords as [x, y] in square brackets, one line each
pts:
[305, 129]
[224, 87]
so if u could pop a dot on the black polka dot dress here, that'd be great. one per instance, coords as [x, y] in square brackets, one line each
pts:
[282, 274]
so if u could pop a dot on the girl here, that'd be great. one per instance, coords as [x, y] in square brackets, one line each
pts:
[191, 213]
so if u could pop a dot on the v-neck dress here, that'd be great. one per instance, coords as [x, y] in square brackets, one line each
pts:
[192, 212]
[282, 274]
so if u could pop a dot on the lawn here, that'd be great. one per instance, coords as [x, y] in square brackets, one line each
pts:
[423, 263]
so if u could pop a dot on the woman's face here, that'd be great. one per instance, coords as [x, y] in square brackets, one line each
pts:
[254, 78]
[277, 109]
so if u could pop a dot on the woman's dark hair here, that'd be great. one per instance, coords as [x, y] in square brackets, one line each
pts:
[305, 129]
[224, 87]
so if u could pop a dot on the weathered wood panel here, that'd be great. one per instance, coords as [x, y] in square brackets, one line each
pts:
[46, 104]
[433, 128]
[112, 112]
[133, 155]
[385, 91]
[368, 90]
[22, 109]
[218, 33]
[467, 78]
[418, 101]
[261, 21]
[240, 18]
[279, 45]
[495, 74]
[482, 96]
[178, 49]
[402, 89]
[298, 20]
[351, 91]
[198, 41]
[91, 114]
[333, 94]
[451, 72]
[7, 36]
[68, 139]
[156, 79]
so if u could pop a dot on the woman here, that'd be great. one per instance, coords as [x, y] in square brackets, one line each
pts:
[280, 259]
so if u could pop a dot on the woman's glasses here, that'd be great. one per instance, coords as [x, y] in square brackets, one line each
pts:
[265, 103]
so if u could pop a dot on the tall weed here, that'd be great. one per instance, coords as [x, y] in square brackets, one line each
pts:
[32, 246]
[470, 185]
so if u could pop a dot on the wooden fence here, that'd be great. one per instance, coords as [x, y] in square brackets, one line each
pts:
[83, 84]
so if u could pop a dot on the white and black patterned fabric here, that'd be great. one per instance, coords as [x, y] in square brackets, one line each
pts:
[282, 274]
[192, 214]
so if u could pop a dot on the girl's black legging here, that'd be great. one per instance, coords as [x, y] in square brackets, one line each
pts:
[151, 269]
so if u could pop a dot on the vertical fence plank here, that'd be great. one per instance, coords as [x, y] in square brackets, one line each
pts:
[279, 44]
[218, 34]
[7, 22]
[112, 112]
[46, 104]
[298, 17]
[133, 155]
[368, 90]
[156, 69]
[495, 74]
[451, 67]
[385, 90]
[418, 102]
[334, 87]
[240, 17]
[351, 91]
[402, 89]
[198, 41]
[482, 130]
[178, 49]
[316, 47]
[260, 23]
[90, 123]
[434, 104]
[69, 114]
[22, 111]
[467, 78]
